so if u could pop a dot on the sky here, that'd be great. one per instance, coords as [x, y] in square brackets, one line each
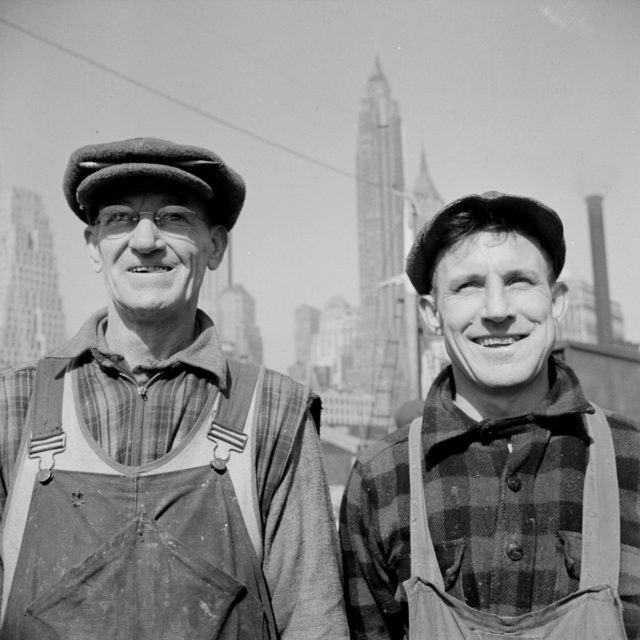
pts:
[540, 98]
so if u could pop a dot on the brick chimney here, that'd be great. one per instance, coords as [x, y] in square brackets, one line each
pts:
[600, 277]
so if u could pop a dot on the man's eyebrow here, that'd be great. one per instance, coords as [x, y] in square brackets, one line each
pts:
[469, 276]
[531, 274]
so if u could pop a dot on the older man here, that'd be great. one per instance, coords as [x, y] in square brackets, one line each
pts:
[157, 489]
[511, 508]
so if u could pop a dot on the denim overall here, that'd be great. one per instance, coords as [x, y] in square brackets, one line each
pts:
[592, 613]
[95, 550]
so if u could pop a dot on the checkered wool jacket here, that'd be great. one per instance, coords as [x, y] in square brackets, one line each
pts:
[506, 526]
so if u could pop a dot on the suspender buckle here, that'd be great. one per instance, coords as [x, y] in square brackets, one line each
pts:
[225, 441]
[44, 449]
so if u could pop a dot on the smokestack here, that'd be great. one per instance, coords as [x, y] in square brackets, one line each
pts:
[600, 277]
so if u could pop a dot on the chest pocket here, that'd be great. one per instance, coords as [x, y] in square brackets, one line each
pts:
[569, 569]
[183, 596]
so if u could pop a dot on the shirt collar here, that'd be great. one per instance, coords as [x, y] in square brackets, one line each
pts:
[443, 420]
[205, 352]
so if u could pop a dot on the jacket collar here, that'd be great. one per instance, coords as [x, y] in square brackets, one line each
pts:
[443, 420]
[205, 352]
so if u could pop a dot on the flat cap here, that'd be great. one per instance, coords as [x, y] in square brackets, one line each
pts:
[94, 168]
[525, 215]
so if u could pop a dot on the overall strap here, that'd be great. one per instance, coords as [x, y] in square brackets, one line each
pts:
[600, 509]
[49, 384]
[234, 423]
[47, 437]
[42, 439]
[230, 414]
[423, 557]
[234, 405]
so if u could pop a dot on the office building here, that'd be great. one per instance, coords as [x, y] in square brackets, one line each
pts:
[580, 322]
[236, 324]
[31, 314]
[381, 242]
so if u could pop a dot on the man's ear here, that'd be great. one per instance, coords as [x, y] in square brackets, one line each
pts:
[559, 300]
[219, 242]
[430, 314]
[93, 250]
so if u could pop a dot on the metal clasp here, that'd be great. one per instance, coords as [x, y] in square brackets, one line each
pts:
[225, 441]
[44, 449]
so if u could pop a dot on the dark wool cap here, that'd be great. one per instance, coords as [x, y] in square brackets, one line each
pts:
[94, 169]
[524, 214]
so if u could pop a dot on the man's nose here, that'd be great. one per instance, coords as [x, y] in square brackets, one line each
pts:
[497, 303]
[146, 236]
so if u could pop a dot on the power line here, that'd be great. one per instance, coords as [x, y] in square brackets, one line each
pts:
[197, 110]
[182, 103]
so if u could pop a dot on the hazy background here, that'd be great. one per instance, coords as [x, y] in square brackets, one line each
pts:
[540, 98]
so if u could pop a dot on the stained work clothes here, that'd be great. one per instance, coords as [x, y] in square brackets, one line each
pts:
[152, 552]
[592, 613]
[299, 557]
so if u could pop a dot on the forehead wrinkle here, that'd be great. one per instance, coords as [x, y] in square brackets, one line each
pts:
[467, 249]
[477, 270]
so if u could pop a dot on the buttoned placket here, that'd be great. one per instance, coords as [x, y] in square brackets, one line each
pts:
[514, 549]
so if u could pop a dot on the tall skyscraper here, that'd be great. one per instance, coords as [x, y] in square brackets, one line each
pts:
[236, 324]
[306, 322]
[332, 344]
[213, 285]
[380, 207]
[31, 314]
[425, 196]
[387, 352]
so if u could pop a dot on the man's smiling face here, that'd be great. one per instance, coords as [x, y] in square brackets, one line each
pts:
[153, 272]
[494, 304]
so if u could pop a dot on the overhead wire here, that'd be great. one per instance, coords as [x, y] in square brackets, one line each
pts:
[178, 101]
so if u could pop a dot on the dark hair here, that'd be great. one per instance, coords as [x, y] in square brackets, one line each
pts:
[463, 223]
[493, 211]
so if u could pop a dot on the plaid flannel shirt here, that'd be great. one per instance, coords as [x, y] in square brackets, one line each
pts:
[506, 525]
[137, 417]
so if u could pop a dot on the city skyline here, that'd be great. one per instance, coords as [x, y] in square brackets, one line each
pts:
[541, 99]
[31, 309]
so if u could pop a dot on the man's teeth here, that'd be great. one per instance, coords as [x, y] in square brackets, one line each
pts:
[497, 342]
[149, 269]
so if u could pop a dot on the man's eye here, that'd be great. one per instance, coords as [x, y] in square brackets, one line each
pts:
[172, 218]
[120, 216]
[115, 215]
[112, 218]
[168, 217]
[175, 216]
[470, 284]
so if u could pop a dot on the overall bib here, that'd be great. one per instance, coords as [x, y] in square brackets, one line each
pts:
[592, 613]
[95, 550]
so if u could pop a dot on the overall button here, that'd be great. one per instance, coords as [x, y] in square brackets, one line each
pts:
[515, 551]
[514, 483]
